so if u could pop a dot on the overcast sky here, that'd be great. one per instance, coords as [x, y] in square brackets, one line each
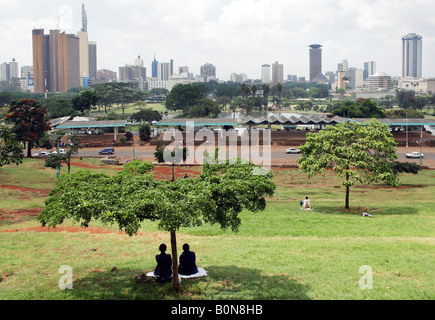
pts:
[234, 35]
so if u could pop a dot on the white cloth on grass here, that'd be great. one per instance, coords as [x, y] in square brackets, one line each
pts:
[201, 273]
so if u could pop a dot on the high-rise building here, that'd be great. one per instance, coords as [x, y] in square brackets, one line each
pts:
[343, 66]
[92, 60]
[316, 64]
[131, 72]
[265, 73]
[56, 62]
[154, 67]
[412, 56]
[4, 71]
[88, 53]
[277, 73]
[355, 77]
[9, 70]
[369, 69]
[163, 71]
[208, 71]
[138, 62]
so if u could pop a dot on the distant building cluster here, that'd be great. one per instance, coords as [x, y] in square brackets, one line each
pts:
[62, 61]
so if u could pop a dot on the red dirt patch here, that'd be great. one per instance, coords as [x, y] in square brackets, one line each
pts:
[15, 215]
[34, 190]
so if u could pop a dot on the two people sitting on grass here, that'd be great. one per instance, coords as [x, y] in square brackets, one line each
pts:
[187, 267]
[305, 204]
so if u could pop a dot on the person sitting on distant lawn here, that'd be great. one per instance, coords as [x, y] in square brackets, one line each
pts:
[187, 262]
[163, 271]
[307, 203]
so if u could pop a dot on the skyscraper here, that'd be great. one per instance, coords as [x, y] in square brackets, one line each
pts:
[265, 73]
[56, 63]
[163, 71]
[208, 71]
[87, 52]
[412, 55]
[316, 64]
[154, 67]
[369, 69]
[277, 73]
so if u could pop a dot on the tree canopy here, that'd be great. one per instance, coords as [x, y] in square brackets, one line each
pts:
[362, 108]
[131, 196]
[356, 152]
[30, 121]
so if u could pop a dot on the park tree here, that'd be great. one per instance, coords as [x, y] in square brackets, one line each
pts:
[182, 97]
[147, 115]
[55, 160]
[85, 100]
[131, 196]
[30, 121]
[363, 108]
[356, 152]
[11, 150]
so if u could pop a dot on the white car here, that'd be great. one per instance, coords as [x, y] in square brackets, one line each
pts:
[61, 151]
[414, 155]
[42, 154]
[292, 150]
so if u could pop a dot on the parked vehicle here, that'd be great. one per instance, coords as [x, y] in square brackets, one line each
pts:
[414, 155]
[106, 151]
[42, 154]
[292, 150]
[61, 151]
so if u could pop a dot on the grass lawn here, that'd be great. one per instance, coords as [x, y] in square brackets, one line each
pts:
[282, 253]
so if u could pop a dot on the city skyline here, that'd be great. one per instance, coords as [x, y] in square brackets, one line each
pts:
[236, 36]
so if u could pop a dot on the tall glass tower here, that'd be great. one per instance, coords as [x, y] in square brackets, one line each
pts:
[411, 55]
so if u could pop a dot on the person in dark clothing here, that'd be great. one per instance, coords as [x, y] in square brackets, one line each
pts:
[187, 262]
[163, 271]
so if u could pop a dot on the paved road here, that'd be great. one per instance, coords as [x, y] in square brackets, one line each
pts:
[278, 155]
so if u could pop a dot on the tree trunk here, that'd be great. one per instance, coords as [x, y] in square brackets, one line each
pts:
[175, 283]
[347, 192]
[29, 149]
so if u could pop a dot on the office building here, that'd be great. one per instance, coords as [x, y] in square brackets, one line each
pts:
[412, 56]
[343, 66]
[316, 64]
[369, 69]
[277, 73]
[208, 71]
[355, 78]
[163, 71]
[380, 81]
[132, 72]
[56, 61]
[292, 78]
[92, 60]
[154, 67]
[238, 78]
[265, 73]
[87, 52]
[9, 70]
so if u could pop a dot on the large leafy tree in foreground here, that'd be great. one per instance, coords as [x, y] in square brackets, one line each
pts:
[30, 121]
[356, 152]
[128, 198]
